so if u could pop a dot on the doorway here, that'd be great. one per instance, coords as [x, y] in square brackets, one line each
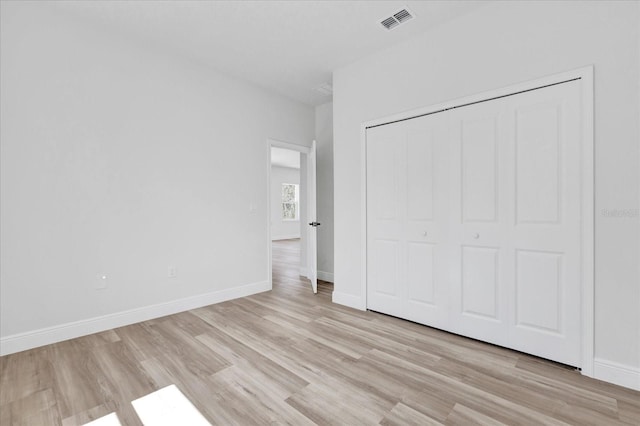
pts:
[291, 197]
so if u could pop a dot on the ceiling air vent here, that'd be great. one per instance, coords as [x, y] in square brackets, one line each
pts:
[389, 23]
[401, 16]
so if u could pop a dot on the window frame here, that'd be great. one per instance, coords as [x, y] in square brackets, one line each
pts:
[296, 202]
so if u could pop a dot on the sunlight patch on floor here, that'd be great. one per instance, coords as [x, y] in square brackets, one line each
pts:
[168, 406]
[108, 420]
[164, 407]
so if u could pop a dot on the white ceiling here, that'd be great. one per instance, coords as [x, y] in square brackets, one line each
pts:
[285, 158]
[290, 47]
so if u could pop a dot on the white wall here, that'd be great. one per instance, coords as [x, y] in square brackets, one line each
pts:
[324, 143]
[498, 45]
[121, 159]
[282, 229]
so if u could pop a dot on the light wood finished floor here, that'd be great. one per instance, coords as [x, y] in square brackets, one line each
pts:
[288, 356]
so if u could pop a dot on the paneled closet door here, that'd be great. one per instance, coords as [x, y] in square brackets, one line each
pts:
[480, 265]
[386, 208]
[515, 223]
[545, 223]
[474, 219]
[425, 234]
[407, 219]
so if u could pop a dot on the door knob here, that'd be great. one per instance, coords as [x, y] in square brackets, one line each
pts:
[424, 234]
[476, 236]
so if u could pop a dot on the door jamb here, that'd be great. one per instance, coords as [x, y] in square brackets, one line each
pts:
[293, 147]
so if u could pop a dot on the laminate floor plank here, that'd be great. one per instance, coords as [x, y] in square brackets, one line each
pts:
[41, 407]
[193, 354]
[23, 374]
[583, 416]
[434, 381]
[629, 412]
[465, 415]
[79, 383]
[435, 405]
[260, 354]
[437, 343]
[558, 375]
[89, 415]
[291, 357]
[168, 370]
[336, 401]
[358, 374]
[253, 396]
[544, 402]
[401, 415]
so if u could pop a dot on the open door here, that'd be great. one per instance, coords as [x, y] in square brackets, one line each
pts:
[313, 224]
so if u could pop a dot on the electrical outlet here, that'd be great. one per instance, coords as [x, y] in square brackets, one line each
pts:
[172, 272]
[101, 282]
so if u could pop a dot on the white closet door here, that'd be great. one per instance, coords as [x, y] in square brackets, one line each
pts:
[386, 190]
[426, 296]
[474, 219]
[479, 261]
[546, 221]
[515, 222]
[407, 219]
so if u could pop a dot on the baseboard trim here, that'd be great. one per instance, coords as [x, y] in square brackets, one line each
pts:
[349, 300]
[325, 276]
[619, 374]
[45, 336]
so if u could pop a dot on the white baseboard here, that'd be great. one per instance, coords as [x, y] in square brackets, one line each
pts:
[325, 276]
[619, 374]
[286, 237]
[349, 300]
[44, 336]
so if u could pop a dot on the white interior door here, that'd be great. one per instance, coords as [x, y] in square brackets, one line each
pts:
[312, 251]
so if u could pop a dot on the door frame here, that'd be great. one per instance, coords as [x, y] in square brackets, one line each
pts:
[274, 143]
[585, 75]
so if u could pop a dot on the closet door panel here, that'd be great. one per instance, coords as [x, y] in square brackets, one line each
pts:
[546, 224]
[480, 282]
[426, 224]
[538, 166]
[479, 168]
[479, 260]
[539, 291]
[420, 171]
[386, 196]
[420, 275]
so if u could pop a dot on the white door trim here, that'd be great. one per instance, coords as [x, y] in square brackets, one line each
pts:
[293, 147]
[585, 74]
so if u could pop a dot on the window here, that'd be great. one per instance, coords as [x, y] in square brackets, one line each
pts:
[290, 201]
